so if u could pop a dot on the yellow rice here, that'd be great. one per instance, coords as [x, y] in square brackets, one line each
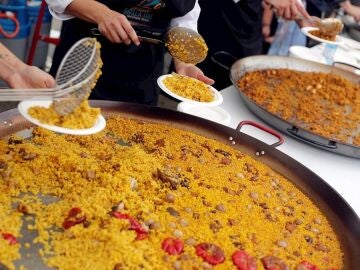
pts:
[97, 172]
[189, 88]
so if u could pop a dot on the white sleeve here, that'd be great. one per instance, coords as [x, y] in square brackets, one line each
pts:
[57, 9]
[189, 20]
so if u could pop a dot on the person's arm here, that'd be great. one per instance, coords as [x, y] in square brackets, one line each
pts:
[20, 75]
[113, 25]
[57, 9]
[351, 9]
[288, 9]
[266, 23]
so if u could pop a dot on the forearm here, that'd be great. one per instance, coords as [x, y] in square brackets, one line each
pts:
[88, 10]
[9, 63]
[267, 15]
[345, 5]
[349, 8]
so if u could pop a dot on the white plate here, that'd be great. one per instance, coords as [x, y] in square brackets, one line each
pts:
[218, 99]
[24, 106]
[306, 30]
[215, 114]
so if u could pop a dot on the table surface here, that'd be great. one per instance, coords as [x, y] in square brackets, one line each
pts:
[340, 172]
[344, 53]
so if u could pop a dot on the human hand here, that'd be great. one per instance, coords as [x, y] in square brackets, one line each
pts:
[313, 21]
[288, 9]
[266, 31]
[116, 28]
[352, 10]
[30, 77]
[266, 34]
[192, 71]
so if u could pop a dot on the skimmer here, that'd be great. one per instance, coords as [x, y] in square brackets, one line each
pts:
[75, 78]
[182, 43]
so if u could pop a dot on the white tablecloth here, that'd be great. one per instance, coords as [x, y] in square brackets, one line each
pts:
[348, 51]
[342, 173]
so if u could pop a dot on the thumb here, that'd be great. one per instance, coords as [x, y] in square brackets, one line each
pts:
[49, 81]
[205, 79]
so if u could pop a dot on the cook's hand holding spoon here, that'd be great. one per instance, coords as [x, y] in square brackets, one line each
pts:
[113, 25]
[116, 28]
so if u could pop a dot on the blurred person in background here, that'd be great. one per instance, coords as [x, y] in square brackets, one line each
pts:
[130, 67]
[326, 8]
[235, 26]
[281, 34]
[285, 33]
[17, 74]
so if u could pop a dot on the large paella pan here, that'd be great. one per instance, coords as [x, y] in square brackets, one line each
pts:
[163, 190]
[340, 139]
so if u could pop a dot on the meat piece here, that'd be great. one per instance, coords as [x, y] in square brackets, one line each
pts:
[210, 253]
[274, 263]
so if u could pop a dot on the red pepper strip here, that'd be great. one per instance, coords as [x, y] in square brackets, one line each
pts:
[141, 233]
[141, 236]
[243, 261]
[10, 238]
[210, 253]
[172, 246]
[304, 265]
[73, 218]
[74, 212]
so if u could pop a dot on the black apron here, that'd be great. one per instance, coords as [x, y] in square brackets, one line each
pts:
[231, 27]
[129, 72]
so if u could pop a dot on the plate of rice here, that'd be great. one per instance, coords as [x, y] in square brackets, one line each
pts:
[189, 90]
[83, 121]
[314, 33]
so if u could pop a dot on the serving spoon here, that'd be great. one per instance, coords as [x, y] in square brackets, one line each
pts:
[182, 43]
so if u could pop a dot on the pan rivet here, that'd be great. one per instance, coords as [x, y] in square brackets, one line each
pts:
[5, 122]
[231, 138]
[233, 142]
[10, 124]
[257, 153]
[263, 152]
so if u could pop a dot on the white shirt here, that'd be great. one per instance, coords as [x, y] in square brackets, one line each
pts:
[189, 20]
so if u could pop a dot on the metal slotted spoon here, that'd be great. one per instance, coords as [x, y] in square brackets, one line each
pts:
[182, 43]
[186, 45]
[75, 78]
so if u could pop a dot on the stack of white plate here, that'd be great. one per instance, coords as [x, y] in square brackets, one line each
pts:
[215, 114]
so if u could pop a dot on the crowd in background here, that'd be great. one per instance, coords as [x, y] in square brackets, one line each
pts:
[232, 29]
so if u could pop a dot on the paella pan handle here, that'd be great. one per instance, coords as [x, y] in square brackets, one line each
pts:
[347, 66]
[294, 132]
[263, 128]
[216, 58]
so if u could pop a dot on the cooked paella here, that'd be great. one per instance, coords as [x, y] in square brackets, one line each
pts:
[82, 117]
[189, 88]
[151, 196]
[323, 103]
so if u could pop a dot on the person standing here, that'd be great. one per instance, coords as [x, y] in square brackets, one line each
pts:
[326, 8]
[235, 26]
[130, 67]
